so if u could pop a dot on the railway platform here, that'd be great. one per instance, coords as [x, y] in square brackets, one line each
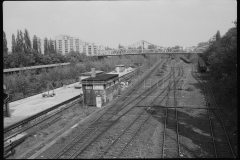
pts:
[29, 106]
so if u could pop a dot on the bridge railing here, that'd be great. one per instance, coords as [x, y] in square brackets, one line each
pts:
[126, 51]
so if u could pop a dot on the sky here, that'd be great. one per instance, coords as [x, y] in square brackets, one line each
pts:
[165, 23]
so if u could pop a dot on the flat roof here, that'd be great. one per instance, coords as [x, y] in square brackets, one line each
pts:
[89, 73]
[121, 73]
[34, 67]
[101, 77]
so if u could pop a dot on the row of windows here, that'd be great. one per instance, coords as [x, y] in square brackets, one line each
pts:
[101, 86]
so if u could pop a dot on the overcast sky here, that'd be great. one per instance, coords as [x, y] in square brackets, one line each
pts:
[165, 23]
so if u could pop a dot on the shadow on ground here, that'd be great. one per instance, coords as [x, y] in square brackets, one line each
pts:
[194, 132]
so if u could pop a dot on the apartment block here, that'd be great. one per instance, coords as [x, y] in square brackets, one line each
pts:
[101, 48]
[65, 44]
[90, 50]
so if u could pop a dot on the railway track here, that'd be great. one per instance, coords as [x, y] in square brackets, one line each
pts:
[33, 121]
[221, 145]
[170, 145]
[50, 115]
[119, 145]
[109, 113]
[79, 148]
[98, 122]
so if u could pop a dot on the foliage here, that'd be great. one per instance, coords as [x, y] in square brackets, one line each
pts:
[35, 44]
[28, 83]
[119, 46]
[151, 46]
[13, 44]
[222, 57]
[202, 44]
[5, 49]
[27, 41]
[218, 36]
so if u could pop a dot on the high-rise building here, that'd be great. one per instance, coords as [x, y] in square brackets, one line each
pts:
[90, 50]
[65, 44]
[101, 48]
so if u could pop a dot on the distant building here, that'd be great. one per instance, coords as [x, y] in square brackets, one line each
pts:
[101, 48]
[65, 44]
[90, 50]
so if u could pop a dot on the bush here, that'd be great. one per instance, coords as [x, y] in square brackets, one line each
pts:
[27, 83]
[222, 59]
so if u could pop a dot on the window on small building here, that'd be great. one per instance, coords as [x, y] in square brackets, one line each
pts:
[88, 87]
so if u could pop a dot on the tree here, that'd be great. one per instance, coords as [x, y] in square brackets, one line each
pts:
[119, 46]
[35, 43]
[51, 46]
[218, 36]
[21, 41]
[151, 46]
[46, 46]
[13, 44]
[222, 57]
[17, 48]
[27, 41]
[5, 49]
[202, 44]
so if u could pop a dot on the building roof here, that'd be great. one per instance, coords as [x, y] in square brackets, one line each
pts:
[89, 73]
[119, 65]
[101, 77]
[34, 67]
[121, 73]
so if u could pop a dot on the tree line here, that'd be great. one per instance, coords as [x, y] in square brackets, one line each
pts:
[26, 83]
[221, 56]
[28, 53]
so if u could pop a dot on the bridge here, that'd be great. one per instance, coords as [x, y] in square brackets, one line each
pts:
[144, 47]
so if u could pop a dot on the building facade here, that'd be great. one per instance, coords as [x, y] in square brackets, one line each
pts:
[65, 44]
[90, 50]
[101, 48]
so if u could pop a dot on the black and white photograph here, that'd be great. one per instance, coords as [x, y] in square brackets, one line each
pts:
[120, 79]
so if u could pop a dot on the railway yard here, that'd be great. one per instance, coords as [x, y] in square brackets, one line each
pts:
[168, 112]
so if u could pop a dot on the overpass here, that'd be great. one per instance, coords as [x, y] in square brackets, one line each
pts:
[146, 48]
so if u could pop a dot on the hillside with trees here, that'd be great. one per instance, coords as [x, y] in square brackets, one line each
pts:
[222, 59]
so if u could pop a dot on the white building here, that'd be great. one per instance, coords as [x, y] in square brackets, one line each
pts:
[90, 50]
[65, 44]
[101, 48]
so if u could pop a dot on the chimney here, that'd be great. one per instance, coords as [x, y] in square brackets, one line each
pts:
[93, 73]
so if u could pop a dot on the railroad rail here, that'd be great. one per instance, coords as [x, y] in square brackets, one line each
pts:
[109, 113]
[220, 141]
[81, 142]
[117, 147]
[30, 122]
